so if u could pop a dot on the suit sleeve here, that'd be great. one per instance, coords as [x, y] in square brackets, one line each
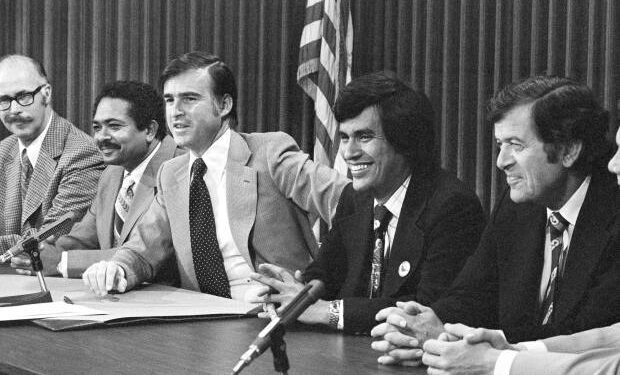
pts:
[450, 237]
[312, 186]
[595, 362]
[150, 243]
[473, 297]
[597, 338]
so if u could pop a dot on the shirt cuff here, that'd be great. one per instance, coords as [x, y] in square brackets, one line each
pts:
[63, 265]
[504, 362]
[534, 346]
[341, 316]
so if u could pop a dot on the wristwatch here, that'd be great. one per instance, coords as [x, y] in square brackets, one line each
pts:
[334, 313]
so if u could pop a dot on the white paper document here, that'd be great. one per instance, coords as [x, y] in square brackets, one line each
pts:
[45, 310]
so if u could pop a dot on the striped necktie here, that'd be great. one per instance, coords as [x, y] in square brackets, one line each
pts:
[382, 218]
[26, 173]
[557, 225]
[122, 206]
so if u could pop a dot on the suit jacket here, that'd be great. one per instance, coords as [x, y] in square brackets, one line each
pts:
[64, 179]
[96, 230]
[499, 285]
[270, 188]
[439, 227]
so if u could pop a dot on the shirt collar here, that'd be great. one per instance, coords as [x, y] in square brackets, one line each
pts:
[215, 157]
[138, 171]
[395, 202]
[34, 148]
[571, 208]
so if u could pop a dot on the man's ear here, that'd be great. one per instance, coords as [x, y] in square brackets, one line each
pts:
[571, 152]
[226, 105]
[151, 130]
[46, 93]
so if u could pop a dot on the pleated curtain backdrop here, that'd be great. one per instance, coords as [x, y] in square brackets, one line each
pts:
[457, 51]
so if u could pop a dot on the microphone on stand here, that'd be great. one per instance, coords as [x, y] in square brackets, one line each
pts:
[63, 224]
[306, 297]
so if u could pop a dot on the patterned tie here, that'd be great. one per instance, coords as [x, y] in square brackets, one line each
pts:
[208, 261]
[121, 207]
[382, 218]
[557, 224]
[26, 173]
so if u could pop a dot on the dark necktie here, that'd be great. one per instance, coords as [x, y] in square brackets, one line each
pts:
[208, 261]
[382, 218]
[121, 207]
[26, 173]
[557, 225]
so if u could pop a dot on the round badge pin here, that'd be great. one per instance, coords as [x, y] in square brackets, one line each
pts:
[404, 268]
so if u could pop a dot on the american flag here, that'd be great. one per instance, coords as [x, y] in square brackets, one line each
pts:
[324, 67]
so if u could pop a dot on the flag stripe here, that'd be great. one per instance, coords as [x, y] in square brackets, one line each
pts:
[324, 67]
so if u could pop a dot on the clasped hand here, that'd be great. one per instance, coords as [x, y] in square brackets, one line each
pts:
[405, 329]
[280, 286]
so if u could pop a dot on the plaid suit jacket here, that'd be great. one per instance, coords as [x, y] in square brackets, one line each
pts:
[64, 179]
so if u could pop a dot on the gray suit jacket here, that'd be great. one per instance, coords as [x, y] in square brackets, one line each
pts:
[64, 179]
[596, 351]
[270, 187]
[96, 230]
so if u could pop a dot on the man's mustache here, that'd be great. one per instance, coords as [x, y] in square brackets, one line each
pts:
[107, 144]
[16, 118]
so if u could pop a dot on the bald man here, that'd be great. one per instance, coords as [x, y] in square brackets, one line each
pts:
[48, 167]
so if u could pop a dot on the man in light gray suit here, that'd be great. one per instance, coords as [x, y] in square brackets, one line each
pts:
[130, 131]
[464, 350]
[234, 201]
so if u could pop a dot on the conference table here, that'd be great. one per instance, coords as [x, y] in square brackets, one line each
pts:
[194, 347]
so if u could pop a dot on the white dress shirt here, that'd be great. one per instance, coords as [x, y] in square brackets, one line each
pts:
[237, 269]
[394, 204]
[34, 148]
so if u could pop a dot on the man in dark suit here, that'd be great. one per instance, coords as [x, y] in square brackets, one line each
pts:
[235, 200]
[433, 221]
[129, 128]
[48, 167]
[548, 262]
[464, 350]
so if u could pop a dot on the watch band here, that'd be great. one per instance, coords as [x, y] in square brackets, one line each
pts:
[334, 313]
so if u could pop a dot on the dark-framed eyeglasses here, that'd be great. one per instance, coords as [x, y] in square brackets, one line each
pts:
[23, 98]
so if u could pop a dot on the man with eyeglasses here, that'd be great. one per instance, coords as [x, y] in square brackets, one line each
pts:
[48, 167]
[426, 222]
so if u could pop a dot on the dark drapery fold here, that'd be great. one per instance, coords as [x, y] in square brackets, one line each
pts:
[457, 51]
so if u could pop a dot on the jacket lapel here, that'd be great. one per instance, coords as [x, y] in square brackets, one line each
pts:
[11, 196]
[51, 149]
[408, 244]
[145, 191]
[357, 239]
[106, 209]
[241, 194]
[520, 262]
[589, 240]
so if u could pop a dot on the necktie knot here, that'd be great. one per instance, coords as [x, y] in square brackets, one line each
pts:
[558, 222]
[198, 168]
[382, 217]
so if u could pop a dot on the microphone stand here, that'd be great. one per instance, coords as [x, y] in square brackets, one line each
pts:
[31, 247]
[278, 349]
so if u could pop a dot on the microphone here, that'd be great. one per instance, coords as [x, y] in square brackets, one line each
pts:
[306, 297]
[63, 224]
